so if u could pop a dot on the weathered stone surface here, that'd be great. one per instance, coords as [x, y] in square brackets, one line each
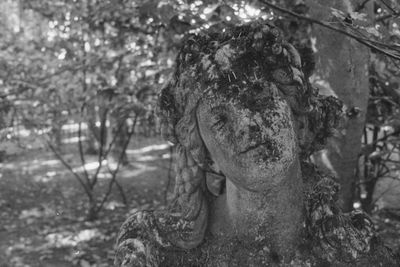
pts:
[245, 120]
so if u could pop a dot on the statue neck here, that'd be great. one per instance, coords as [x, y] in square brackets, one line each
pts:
[275, 214]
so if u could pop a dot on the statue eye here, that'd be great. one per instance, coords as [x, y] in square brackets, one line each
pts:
[219, 121]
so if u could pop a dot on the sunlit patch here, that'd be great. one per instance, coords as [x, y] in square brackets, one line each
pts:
[44, 179]
[147, 149]
[251, 11]
[24, 133]
[49, 162]
[73, 140]
[73, 127]
[139, 169]
[35, 212]
[43, 131]
[166, 156]
[146, 158]
[357, 205]
[104, 175]
[112, 205]
[90, 166]
[62, 54]
[69, 239]
[51, 174]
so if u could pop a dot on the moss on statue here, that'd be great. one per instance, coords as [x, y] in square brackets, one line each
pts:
[245, 120]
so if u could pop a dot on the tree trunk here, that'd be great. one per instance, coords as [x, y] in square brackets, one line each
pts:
[342, 67]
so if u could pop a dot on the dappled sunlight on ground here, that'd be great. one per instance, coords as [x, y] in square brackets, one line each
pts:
[139, 168]
[32, 164]
[73, 140]
[147, 149]
[71, 239]
[42, 206]
[90, 166]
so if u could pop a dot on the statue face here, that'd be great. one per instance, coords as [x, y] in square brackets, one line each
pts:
[250, 136]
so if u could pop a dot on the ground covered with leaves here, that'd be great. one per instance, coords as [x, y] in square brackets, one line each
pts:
[42, 206]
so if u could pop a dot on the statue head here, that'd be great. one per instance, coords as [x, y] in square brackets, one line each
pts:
[242, 94]
[240, 106]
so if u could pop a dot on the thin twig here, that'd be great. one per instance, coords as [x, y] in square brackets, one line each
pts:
[105, 154]
[326, 25]
[397, 132]
[88, 192]
[82, 155]
[114, 173]
[121, 191]
[103, 127]
[361, 6]
[389, 7]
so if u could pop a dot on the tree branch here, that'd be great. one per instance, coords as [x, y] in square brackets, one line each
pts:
[88, 192]
[328, 26]
[361, 6]
[120, 159]
[114, 173]
[82, 155]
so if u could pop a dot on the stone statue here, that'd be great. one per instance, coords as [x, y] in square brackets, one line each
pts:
[245, 120]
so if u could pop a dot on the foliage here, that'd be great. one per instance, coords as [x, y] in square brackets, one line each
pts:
[380, 155]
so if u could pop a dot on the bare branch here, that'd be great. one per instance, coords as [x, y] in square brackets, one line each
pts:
[114, 172]
[69, 167]
[361, 6]
[82, 155]
[384, 49]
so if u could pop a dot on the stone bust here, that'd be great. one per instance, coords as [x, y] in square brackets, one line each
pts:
[244, 121]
